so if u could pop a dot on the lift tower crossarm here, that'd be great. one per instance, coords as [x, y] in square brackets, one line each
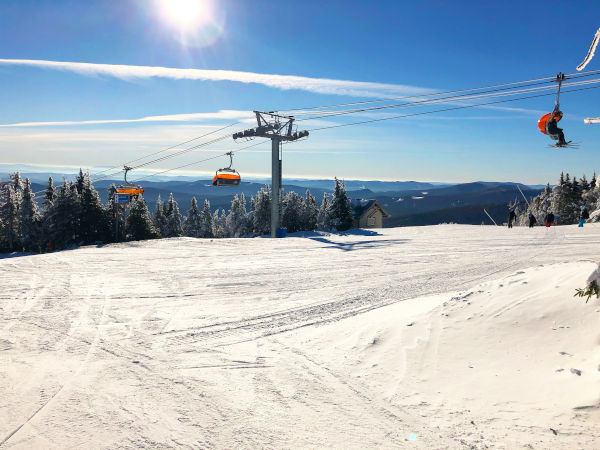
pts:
[278, 128]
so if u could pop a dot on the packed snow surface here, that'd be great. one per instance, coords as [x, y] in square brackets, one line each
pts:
[448, 336]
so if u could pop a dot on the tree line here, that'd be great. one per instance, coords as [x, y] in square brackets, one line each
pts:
[564, 200]
[73, 214]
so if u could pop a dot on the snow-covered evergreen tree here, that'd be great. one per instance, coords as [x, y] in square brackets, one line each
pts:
[585, 185]
[174, 227]
[220, 224]
[191, 223]
[139, 225]
[237, 219]
[206, 221]
[9, 216]
[566, 200]
[29, 220]
[340, 213]
[80, 182]
[292, 212]
[159, 218]
[17, 181]
[261, 211]
[62, 218]
[49, 195]
[115, 213]
[323, 216]
[311, 212]
[94, 221]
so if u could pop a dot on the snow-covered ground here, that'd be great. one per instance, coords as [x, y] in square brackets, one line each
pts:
[429, 337]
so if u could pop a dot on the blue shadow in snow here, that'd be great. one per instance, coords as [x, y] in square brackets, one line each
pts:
[350, 246]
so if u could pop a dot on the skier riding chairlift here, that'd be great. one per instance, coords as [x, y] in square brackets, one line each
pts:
[548, 124]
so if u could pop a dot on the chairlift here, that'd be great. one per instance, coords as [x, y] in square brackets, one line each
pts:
[128, 188]
[227, 176]
[547, 124]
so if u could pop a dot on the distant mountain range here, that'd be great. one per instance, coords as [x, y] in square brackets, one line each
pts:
[408, 202]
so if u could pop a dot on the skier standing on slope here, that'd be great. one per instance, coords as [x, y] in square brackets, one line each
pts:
[585, 215]
[511, 216]
[549, 219]
[532, 220]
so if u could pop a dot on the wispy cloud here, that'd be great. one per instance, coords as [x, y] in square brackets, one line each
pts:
[193, 117]
[284, 82]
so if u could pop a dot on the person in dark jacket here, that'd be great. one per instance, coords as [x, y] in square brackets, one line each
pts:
[532, 220]
[555, 132]
[549, 219]
[583, 216]
[511, 216]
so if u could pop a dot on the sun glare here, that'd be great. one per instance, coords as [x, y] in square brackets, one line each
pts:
[187, 15]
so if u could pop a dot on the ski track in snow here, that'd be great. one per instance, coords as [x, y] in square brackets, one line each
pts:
[175, 342]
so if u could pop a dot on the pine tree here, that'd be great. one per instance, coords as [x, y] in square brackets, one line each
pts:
[585, 185]
[292, 212]
[9, 215]
[49, 195]
[174, 228]
[237, 219]
[219, 224]
[311, 212]
[139, 225]
[592, 197]
[160, 219]
[75, 202]
[115, 216]
[566, 200]
[29, 220]
[261, 211]
[593, 181]
[94, 221]
[191, 223]
[206, 221]
[340, 213]
[323, 216]
[62, 218]
[576, 189]
[80, 182]
[17, 181]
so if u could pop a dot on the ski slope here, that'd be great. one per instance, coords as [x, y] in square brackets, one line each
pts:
[448, 336]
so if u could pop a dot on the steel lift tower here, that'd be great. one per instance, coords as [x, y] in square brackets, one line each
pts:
[279, 129]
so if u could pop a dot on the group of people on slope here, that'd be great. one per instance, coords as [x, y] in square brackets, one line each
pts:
[549, 219]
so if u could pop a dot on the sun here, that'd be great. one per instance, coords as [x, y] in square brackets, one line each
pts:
[186, 15]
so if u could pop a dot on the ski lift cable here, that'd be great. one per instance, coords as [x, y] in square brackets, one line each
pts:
[446, 100]
[195, 147]
[548, 79]
[186, 150]
[96, 179]
[425, 101]
[199, 162]
[496, 93]
[172, 147]
[446, 109]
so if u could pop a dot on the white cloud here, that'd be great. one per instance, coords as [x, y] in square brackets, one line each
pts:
[242, 116]
[284, 82]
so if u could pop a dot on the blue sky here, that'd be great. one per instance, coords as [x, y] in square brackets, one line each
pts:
[338, 51]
